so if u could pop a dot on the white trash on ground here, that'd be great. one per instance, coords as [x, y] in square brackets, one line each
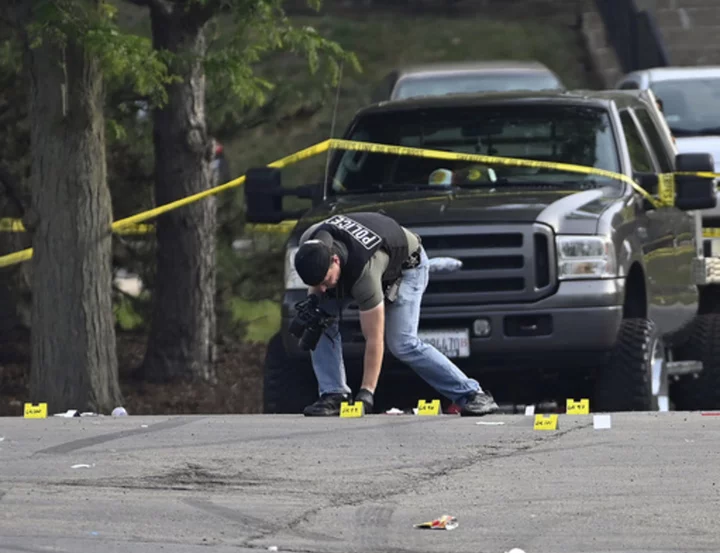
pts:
[67, 414]
[601, 422]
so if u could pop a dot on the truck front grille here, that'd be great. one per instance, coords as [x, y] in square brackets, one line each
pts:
[501, 263]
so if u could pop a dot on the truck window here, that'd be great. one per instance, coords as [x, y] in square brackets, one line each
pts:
[570, 134]
[639, 156]
[656, 141]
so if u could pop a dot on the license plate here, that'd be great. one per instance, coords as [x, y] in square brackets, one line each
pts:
[452, 343]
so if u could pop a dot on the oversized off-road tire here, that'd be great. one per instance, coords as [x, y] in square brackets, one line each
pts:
[691, 393]
[289, 385]
[625, 382]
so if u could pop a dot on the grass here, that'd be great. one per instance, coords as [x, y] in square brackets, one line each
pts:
[261, 319]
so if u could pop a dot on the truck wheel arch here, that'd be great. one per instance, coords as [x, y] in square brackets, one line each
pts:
[635, 305]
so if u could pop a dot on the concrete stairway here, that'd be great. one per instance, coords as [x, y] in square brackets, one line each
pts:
[690, 28]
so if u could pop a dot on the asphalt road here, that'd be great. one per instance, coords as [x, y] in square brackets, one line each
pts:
[247, 483]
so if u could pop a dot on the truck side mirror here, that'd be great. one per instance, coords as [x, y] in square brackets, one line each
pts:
[694, 192]
[264, 196]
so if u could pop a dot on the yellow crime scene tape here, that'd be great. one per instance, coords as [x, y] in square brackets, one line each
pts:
[16, 225]
[130, 225]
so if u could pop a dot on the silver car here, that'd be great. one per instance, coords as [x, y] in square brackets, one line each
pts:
[435, 79]
[690, 98]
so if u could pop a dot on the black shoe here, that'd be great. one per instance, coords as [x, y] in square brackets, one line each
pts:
[327, 406]
[479, 404]
[367, 398]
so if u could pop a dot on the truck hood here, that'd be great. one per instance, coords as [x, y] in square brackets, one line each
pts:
[700, 144]
[557, 208]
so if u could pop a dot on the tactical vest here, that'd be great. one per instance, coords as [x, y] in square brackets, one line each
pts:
[363, 234]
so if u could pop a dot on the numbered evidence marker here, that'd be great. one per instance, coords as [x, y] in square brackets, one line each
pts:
[38, 411]
[546, 422]
[431, 408]
[352, 410]
[581, 407]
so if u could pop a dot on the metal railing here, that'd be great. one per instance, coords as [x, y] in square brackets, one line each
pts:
[634, 35]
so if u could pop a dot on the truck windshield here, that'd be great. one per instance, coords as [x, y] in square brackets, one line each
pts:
[434, 85]
[566, 134]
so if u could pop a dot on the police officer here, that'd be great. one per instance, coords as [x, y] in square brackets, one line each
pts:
[370, 259]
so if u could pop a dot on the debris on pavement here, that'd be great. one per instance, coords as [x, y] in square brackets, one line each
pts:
[445, 522]
[515, 550]
[68, 414]
[394, 411]
[119, 412]
[82, 466]
[601, 422]
[490, 423]
[453, 409]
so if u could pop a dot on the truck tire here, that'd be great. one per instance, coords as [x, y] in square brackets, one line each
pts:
[703, 392]
[625, 382]
[289, 385]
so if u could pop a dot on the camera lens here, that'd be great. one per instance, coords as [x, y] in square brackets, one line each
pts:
[296, 327]
[310, 338]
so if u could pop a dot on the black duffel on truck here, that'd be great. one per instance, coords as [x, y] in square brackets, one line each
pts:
[573, 279]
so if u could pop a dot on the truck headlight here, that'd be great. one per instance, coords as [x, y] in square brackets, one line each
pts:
[292, 279]
[585, 257]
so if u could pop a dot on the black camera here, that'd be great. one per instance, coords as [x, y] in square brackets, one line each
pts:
[310, 322]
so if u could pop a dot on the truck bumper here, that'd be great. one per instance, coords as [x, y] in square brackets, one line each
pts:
[573, 328]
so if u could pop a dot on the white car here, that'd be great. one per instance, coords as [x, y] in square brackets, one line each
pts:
[690, 98]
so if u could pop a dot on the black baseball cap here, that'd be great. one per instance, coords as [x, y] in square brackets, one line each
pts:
[313, 258]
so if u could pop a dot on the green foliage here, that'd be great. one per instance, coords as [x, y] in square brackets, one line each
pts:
[126, 315]
[255, 33]
[125, 58]
[259, 319]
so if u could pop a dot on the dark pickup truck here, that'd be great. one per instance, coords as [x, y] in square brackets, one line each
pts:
[570, 285]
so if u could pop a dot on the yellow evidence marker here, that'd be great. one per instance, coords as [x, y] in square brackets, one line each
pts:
[425, 408]
[352, 410]
[38, 411]
[581, 407]
[546, 422]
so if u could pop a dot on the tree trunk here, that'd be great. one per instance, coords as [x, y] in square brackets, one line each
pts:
[74, 362]
[182, 334]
